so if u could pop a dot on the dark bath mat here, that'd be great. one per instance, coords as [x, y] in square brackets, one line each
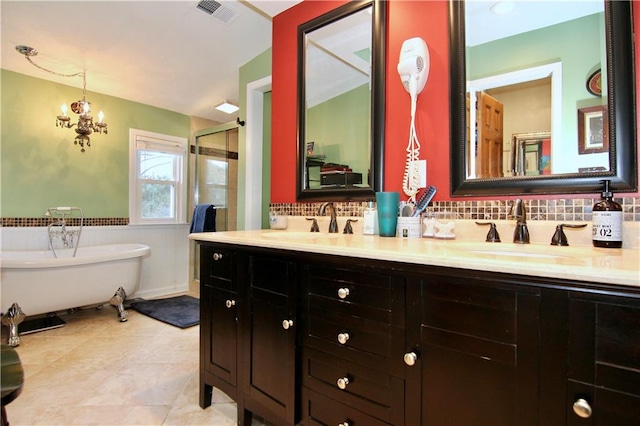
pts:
[180, 311]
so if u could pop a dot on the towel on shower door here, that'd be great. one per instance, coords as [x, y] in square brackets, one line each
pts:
[204, 218]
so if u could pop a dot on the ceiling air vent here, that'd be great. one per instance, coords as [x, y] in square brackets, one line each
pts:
[218, 10]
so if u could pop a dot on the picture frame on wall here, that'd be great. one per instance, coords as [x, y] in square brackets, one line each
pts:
[593, 125]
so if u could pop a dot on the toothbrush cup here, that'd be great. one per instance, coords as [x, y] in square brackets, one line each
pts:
[387, 204]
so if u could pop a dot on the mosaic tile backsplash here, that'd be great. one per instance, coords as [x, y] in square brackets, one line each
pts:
[558, 209]
[45, 221]
[578, 209]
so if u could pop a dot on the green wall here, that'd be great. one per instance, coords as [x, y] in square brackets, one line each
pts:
[578, 44]
[40, 165]
[256, 69]
[347, 139]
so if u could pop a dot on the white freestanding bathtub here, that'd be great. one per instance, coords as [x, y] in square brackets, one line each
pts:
[40, 283]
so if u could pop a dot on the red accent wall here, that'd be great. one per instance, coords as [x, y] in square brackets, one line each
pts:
[284, 85]
[406, 19]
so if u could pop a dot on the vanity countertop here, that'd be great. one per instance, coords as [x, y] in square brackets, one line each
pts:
[578, 263]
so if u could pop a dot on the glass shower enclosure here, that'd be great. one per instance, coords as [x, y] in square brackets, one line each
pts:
[215, 178]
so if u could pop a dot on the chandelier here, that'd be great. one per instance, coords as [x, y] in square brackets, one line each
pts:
[85, 125]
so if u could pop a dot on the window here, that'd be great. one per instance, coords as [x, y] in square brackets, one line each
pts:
[157, 178]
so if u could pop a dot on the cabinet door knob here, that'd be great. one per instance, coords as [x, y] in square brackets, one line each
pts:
[410, 358]
[343, 292]
[582, 408]
[344, 424]
[343, 337]
[343, 382]
[217, 256]
[287, 323]
[230, 303]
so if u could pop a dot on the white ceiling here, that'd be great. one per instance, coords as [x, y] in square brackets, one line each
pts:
[338, 57]
[483, 26]
[168, 54]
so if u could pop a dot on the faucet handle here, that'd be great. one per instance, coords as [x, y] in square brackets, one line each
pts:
[347, 227]
[492, 235]
[314, 225]
[559, 238]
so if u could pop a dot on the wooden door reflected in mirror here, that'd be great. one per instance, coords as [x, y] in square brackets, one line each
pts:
[533, 55]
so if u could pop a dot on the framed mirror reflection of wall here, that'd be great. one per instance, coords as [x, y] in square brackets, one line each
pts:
[564, 69]
[341, 59]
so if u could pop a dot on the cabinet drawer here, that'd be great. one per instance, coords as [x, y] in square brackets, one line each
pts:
[604, 344]
[271, 274]
[351, 332]
[322, 411]
[469, 310]
[216, 262]
[608, 407]
[358, 287]
[321, 306]
[379, 394]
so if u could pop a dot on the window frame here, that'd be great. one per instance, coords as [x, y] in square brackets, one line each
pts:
[143, 140]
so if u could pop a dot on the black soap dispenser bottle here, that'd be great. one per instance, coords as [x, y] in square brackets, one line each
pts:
[607, 220]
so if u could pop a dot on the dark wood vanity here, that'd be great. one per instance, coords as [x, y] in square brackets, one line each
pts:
[320, 339]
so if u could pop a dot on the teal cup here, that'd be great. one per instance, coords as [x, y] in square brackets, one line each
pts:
[387, 204]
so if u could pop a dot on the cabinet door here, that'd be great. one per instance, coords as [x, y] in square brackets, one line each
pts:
[604, 361]
[221, 325]
[218, 324]
[269, 368]
[480, 353]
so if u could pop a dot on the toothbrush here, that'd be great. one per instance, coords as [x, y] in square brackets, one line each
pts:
[424, 200]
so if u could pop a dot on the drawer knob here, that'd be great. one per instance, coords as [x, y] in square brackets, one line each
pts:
[217, 256]
[343, 292]
[344, 424]
[343, 338]
[582, 408]
[410, 358]
[286, 324]
[230, 303]
[343, 382]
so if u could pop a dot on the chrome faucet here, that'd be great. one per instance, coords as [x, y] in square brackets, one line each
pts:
[333, 224]
[63, 232]
[519, 213]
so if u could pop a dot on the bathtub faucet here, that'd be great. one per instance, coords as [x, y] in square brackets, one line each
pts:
[70, 238]
[63, 233]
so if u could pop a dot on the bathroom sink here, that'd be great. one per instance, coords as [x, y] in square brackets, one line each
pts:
[519, 254]
[525, 251]
[298, 236]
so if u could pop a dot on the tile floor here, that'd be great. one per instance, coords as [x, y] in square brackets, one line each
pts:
[98, 371]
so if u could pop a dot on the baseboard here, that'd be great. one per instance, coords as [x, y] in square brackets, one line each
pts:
[159, 292]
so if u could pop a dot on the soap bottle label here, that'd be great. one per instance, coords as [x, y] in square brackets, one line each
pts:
[607, 226]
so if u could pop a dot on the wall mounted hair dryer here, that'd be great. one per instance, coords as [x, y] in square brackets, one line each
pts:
[413, 68]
